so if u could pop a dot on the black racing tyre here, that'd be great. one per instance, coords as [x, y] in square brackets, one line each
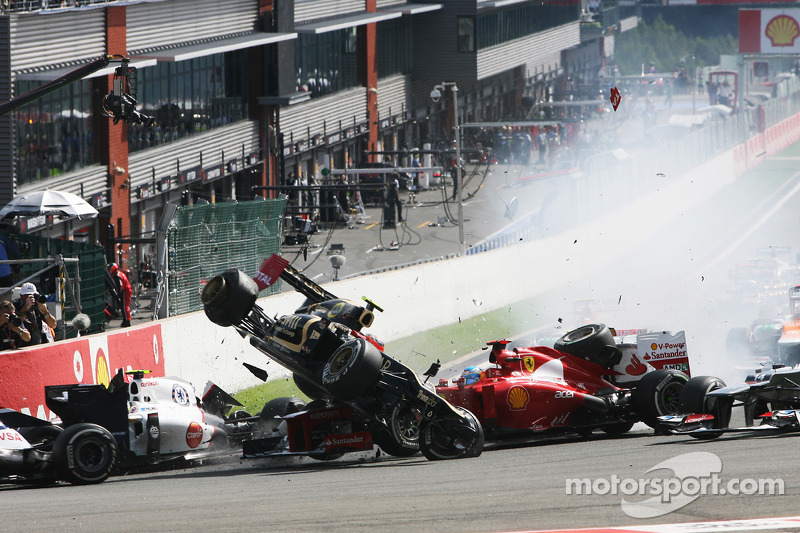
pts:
[279, 407]
[229, 297]
[41, 437]
[352, 369]
[314, 392]
[85, 454]
[450, 437]
[658, 394]
[618, 428]
[401, 437]
[693, 400]
[591, 342]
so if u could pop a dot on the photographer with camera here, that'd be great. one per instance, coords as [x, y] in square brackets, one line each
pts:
[33, 310]
[12, 331]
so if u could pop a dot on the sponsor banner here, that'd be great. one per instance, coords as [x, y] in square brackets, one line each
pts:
[89, 360]
[769, 31]
[213, 173]
[190, 175]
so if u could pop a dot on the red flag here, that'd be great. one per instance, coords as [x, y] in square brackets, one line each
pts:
[270, 271]
[615, 98]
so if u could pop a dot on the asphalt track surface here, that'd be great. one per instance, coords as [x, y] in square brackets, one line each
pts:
[676, 277]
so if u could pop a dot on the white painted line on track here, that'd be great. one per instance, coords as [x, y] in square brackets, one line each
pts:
[787, 523]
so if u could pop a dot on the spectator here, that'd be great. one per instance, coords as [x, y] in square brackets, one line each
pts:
[12, 330]
[393, 197]
[454, 174]
[126, 289]
[415, 164]
[35, 316]
[8, 250]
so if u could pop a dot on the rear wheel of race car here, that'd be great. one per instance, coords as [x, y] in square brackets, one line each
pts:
[586, 341]
[352, 369]
[229, 297]
[85, 454]
[451, 437]
[693, 400]
[41, 437]
[401, 438]
[658, 394]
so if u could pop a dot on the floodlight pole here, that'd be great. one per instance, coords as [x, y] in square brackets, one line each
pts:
[459, 184]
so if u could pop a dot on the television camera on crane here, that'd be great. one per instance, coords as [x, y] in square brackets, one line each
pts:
[120, 104]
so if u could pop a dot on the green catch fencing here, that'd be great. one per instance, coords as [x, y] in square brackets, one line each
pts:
[206, 239]
[87, 275]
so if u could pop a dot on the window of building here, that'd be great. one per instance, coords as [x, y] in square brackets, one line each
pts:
[466, 34]
[327, 62]
[503, 26]
[53, 133]
[393, 47]
[188, 97]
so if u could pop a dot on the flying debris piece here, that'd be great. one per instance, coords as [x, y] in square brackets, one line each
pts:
[616, 98]
[476, 302]
[560, 320]
[575, 241]
[620, 300]
[762, 153]
[660, 175]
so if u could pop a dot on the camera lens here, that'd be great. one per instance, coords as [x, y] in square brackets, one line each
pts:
[41, 298]
[17, 321]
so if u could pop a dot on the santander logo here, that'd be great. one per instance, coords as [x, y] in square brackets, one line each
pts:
[194, 435]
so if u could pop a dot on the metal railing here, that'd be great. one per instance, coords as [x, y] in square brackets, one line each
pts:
[25, 6]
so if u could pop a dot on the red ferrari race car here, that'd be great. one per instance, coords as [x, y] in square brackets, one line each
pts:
[587, 381]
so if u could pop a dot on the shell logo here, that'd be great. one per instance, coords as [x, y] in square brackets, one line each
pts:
[654, 347]
[782, 30]
[517, 398]
[194, 435]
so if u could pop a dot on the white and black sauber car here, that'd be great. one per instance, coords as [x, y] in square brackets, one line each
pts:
[99, 429]
[769, 398]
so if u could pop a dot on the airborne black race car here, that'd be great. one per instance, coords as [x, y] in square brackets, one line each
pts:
[322, 345]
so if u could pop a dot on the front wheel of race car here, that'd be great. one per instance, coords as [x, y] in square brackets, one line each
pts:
[658, 394]
[451, 437]
[352, 369]
[85, 454]
[401, 438]
[693, 400]
[229, 297]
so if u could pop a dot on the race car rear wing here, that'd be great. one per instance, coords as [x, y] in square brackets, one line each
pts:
[644, 352]
[276, 267]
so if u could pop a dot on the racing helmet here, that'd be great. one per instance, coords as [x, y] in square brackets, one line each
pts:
[113, 267]
[472, 374]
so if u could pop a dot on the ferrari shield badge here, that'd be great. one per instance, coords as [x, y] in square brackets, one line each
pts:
[616, 98]
[529, 363]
